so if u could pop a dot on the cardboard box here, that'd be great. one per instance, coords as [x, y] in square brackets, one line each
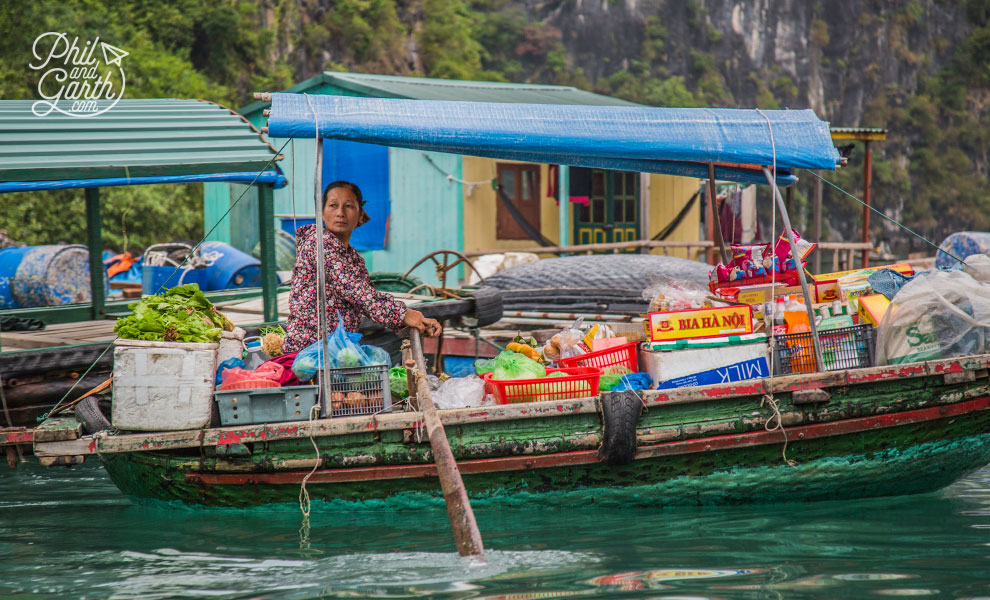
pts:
[676, 364]
[750, 369]
[758, 294]
[700, 323]
[872, 308]
[826, 284]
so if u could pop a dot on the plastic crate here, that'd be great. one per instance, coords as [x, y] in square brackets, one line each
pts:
[580, 382]
[358, 391]
[625, 355]
[266, 405]
[845, 348]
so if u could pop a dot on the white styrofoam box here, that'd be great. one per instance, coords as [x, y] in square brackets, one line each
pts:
[231, 344]
[162, 386]
[663, 366]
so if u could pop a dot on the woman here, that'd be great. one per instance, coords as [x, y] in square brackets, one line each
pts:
[349, 288]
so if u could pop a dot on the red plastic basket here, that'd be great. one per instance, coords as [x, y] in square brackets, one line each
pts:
[625, 355]
[580, 382]
[249, 384]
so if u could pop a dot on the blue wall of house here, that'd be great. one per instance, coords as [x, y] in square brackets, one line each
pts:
[426, 211]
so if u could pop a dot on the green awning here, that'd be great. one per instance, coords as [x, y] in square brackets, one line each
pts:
[135, 139]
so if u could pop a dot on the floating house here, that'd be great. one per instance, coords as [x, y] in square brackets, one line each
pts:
[412, 194]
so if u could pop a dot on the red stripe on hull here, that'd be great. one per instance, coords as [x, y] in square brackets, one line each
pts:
[517, 463]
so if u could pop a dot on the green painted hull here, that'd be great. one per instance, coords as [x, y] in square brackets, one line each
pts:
[907, 459]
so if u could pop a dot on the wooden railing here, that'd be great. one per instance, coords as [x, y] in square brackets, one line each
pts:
[692, 247]
[843, 256]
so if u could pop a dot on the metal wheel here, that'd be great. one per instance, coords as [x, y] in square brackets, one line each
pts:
[445, 260]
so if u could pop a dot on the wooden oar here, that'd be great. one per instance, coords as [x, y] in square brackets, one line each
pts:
[466, 534]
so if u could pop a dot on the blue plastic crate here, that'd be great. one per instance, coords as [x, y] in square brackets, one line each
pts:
[266, 405]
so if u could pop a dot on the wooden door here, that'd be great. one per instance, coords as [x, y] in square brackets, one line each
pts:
[612, 211]
[521, 183]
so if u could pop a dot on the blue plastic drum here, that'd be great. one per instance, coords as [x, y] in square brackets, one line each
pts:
[961, 244]
[34, 276]
[230, 267]
[155, 280]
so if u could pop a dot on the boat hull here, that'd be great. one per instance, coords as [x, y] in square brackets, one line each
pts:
[906, 452]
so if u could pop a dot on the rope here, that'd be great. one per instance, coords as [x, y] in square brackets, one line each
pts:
[450, 176]
[768, 399]
[3, 399]
[772, 346]
[894, 221]
[90, 368]
[304, 501]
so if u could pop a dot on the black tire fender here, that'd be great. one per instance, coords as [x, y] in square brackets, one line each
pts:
[89, 414]
[487, 305]
[620, 413]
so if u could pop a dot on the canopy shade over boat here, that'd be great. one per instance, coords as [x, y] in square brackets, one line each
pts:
[136, 142]
[676, 141]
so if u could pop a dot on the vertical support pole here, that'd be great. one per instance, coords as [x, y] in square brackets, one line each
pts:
[94, 239]
[818, 223]
[715, 217]
[266, 232]
[644, 211]
[867, 182]
[790, 202]
[564, 200]
[800, 270]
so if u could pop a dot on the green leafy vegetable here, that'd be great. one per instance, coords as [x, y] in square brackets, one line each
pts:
[181, 314]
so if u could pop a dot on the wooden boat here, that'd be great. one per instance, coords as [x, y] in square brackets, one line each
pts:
[858, 433]
[855, 433]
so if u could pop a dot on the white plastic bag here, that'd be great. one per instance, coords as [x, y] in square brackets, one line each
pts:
[460, 392]
[935, 315]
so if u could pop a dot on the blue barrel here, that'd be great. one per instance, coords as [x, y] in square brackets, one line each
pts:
[961, 244]
[230, 267]
[155, 280]
[33, 276]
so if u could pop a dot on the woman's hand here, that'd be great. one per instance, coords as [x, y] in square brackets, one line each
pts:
[426, 326]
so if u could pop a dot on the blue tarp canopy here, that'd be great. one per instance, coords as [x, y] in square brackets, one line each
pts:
[675, 141]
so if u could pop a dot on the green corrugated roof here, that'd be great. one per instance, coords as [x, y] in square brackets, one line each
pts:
[136, 138]
[421, 88]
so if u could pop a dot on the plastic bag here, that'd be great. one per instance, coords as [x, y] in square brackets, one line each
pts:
[484, 365]
[511, 365]
[634, 381]
[343, 349]
[935, 315]
[666, 293]
[398, 381]
[565, 344]
[460, 392]
[611, 377]
[230, 363]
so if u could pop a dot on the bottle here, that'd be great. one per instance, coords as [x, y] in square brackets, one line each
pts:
[802, 346]
[254, 356]
[779, 322]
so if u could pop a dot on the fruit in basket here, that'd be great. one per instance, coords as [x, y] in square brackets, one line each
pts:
[355, 400]
[337, 400]
[524, 349]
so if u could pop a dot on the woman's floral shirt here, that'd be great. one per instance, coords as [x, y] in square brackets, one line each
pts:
[349, 291]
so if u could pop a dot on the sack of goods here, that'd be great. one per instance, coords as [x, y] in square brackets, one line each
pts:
[936, 315]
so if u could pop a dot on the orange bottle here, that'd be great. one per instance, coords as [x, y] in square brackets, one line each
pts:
[802, 348]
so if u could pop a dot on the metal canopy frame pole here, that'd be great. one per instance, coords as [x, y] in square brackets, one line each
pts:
[564, 199]
[715, 217]
[789, 233]
[867, 182]
[321, 275]
[266, 230]
[94, 239]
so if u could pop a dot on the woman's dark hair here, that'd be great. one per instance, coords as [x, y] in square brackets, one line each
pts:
[343, 184]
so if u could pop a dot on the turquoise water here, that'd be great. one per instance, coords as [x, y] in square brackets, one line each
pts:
[68, 533]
